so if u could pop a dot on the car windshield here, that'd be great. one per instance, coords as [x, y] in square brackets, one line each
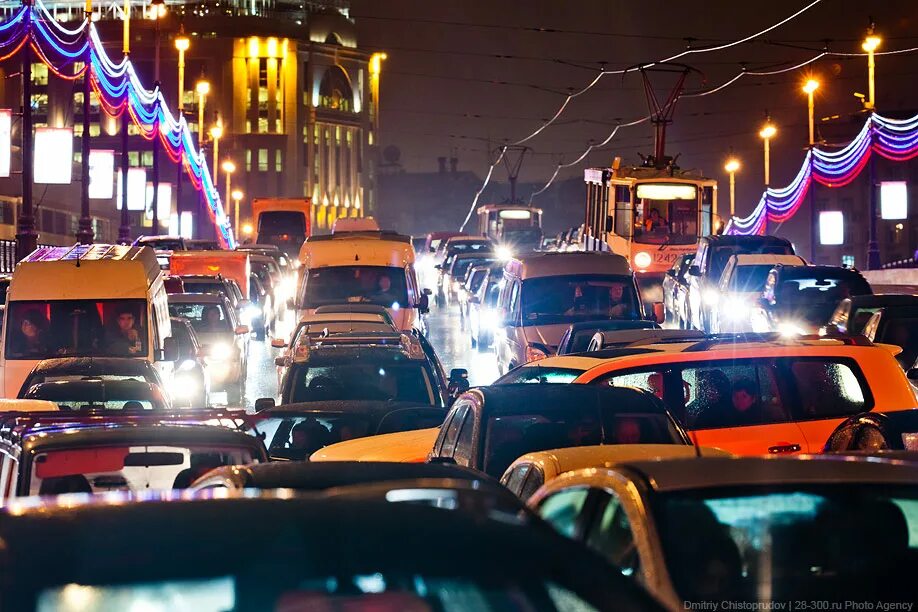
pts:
[277, 223]
[76, 328]
[461, 265]
[132, 467]
[94, 394]
[216, 287]
[721, 255]
[465, 246]
[538, 374]
[749, 279]
[271, 583]
[164, 244]
[207, 317]
[511, 436]
[566, 299]
[380, 285]
[529, 236]
[399, 379]
[784, 543]
[477, 277]
[814, 299]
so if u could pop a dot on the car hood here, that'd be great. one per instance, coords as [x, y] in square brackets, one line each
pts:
[548, 335]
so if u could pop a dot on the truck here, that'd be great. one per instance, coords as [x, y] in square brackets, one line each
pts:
[283, 222]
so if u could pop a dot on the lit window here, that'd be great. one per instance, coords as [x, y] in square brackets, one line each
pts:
[39, 74]
[147, 159]
[133, 159]
[278, 161]
[262, 160]
[248, 160]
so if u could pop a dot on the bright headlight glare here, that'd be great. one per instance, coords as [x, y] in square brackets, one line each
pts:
[188, 364]
[504, 253]
[790, 329]
[710, 296]
[489, 319]
[643, 259]
[737, 309]
[221, 352]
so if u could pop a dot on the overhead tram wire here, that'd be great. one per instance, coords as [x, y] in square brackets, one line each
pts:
[603, 73]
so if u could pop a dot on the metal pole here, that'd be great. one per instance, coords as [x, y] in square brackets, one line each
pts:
[228, 192]
[873, 246]
[26, 238]
[871, 67]
[767, 179]
[810, 108]
[236, 219]
[124, 231]
[181, 113]
[732, 195]
[156, 143]
[200, 121]
[84, 233]
[814, 229]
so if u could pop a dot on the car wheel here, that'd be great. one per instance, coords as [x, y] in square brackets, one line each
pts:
[482, 344]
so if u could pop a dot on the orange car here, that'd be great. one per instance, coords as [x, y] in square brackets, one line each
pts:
[769, 396]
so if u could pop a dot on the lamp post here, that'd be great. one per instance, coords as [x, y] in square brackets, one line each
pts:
[731, 167]
[870, 45]
[124, 230]
[216, 133]
[237, 196]
[158, 11]
[809, 88]
[767, 132]
[229, 166]
[181, 44]
[84, 234]
[202, 88]
[26, 238]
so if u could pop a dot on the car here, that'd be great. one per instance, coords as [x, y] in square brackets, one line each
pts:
[285, 264]
[403, 447]
[544, 293]
[483, 315]
[740, 286]
[801, 299]
[876, 431]
[297, 431]
[262, 316]
[706, 269]
[673, 282]
[191, 383]
[89, 394]
[221, 285]
[267, 271]
[202, 245]
[621, 338]
[487, 428]
[852, 313]
[319, 476]
[532, 470]
[454, 274]
[577, 337]
[475, 275]
[747, 529]
[387, 366]
[100, 368]
[162, 243]
[896, 326]
[762, 394]
[224, 339]
[448, 250]
[278, 557]
[46, 454]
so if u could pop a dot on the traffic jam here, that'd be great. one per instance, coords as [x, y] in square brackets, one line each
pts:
[672, 419]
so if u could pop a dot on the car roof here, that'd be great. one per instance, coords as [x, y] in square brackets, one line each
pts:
[714, 472]
[371, 408]
[197, 298]
[582, 361]
[528, 398]
[96, 390]
[645, 336]
[342, 317]
[538, 265]
[306, 475]
[737, 240]
[455, 239]
[606, 455]
[609, 324]
[807, 271]
[88, 366]
[882, 299]
[27, 405]
[381, 447]
[743, 259]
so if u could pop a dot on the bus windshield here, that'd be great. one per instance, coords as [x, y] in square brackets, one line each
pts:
[381, 285]
[76, 328]
[666, 213]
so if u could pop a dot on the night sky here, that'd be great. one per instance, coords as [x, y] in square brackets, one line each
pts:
[445, 90]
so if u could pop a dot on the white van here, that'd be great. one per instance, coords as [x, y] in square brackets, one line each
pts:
[85, 301]
[543, 294]
[361, 268]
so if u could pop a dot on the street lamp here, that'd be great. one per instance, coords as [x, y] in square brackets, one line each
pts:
[870, 45]
[181, 44]
[731, 167]
[216, 133]
[202, 88]
[767, 132]
[237, 196]
[229, 166]
[158, 11]
[809, 88]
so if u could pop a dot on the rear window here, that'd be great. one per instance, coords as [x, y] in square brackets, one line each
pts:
[539, 375]
[204, 318]
[369, 380]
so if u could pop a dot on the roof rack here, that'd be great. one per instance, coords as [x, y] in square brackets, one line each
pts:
[377, 234]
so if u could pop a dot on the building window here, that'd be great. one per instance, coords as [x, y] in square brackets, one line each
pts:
[95, 129]
[262, 160]
[278, 161]
[277, 126]
[248, 160]
[335, 91]
[133, 159]
[262, 125]
[847, 261]
[39, 74]
[147, 159]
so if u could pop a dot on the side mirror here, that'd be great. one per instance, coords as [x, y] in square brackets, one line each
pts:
[242, 329]
[427, 291]
[170, 349]
[694, 270]
[278, 343]
[424, 304]
[659, 313]
[442, 460]
[458, 381]
[264, 403]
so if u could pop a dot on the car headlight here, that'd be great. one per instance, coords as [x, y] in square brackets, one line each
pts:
[504, 253]
[489, 319]
[186, 365]
[790, 329]
[184, 386]
[643, 259]
[737, 309]
[221, 352]
[456, 286]
[534, 353]
[710, 297]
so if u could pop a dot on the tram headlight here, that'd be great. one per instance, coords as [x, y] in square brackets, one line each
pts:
[643, 259]
[710, 296]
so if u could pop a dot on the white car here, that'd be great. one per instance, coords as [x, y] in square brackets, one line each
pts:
[740, 285]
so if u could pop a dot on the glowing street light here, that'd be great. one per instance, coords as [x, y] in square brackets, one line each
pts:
[809, 88]
[182, 43]
[870, 45]
[767, 132]
[216, 133]
[202, 88]
[731, 167]
[229, 166]
[237, 196]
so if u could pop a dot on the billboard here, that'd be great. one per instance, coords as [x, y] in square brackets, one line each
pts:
[101, 174]
[163, 202]
[831, 227]
[53, 159]
[894, 200]
[137, 189]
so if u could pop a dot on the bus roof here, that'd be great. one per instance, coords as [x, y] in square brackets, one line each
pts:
[356, 251]
[97, 271]
[567, 264]
[484, 208]
[231, 264]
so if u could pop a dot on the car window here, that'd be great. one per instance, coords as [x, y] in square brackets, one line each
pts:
[452, 431]
[534, 480]
[515, 478]
[732, 394]
[208, 317]
[612, 537]
[562, 509]
[829, 389]
[539, 375]
[464, 451]
[395, 379]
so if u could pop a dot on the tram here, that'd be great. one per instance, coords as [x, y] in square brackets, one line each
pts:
[516, 227]
[650, 215]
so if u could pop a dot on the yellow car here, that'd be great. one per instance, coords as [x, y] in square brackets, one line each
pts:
[532, 470]
[403, 446]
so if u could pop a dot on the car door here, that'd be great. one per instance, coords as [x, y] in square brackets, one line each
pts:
[610, 534]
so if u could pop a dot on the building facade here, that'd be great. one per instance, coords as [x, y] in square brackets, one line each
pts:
[295, 97]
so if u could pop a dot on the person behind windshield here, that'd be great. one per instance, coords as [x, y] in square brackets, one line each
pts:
[32, 336]
[618, 304]
[384, 291]
[211, 321]
[124, 339]
[655, 221]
